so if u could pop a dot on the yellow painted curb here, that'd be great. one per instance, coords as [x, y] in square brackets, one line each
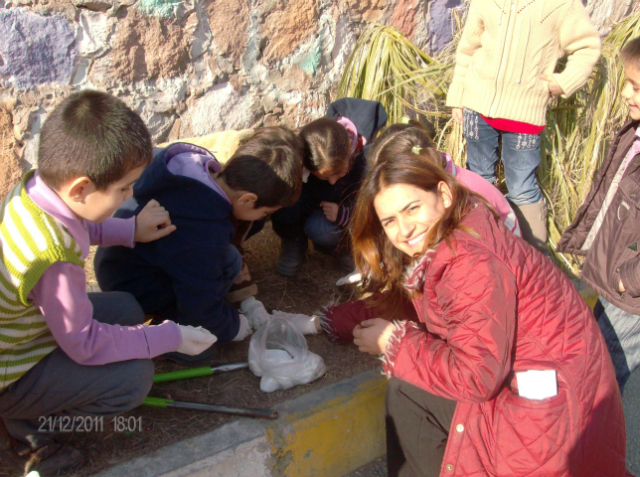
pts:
[335, 436]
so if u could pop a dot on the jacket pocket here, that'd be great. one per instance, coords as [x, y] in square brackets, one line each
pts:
[624, 229]
[530, 435]
[628, 253]
[628, 210]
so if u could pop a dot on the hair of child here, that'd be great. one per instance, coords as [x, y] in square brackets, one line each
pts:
[411, 137]
[268, 164]
[326, 144]
[92, 134]
[630, 53]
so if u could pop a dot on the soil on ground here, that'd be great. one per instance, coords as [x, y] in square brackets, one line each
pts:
[313, 288]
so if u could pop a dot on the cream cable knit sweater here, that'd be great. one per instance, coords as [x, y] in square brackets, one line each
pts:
[506, 45]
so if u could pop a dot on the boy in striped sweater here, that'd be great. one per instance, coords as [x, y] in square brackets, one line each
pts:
[66, 356]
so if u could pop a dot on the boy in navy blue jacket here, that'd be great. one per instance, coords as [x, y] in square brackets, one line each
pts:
[185, 277]
[334, 166]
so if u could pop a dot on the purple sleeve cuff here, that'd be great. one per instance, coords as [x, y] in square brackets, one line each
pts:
[162, 338]
[61, 296]
[112, 232]
[344, 213]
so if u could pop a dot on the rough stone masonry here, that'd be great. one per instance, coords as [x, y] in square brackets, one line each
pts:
[191, 67]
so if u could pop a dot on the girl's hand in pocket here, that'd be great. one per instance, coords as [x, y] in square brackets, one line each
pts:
[552, 84]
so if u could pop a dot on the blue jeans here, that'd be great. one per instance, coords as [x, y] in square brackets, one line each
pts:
[520, 157]
[321, 232]
[231, 266]
[621, 332]
[306, 219]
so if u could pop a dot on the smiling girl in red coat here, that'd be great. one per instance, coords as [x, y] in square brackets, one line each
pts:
[505, 373]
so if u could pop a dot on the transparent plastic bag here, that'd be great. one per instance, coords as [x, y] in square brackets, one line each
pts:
[278, 354]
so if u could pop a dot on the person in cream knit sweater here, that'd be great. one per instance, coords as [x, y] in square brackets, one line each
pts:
[504, 79]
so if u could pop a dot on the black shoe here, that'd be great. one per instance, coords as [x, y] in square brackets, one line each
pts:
[54, 459]
[291, 255]
[189, 360]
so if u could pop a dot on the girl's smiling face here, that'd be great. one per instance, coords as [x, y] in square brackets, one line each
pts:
[407, 213]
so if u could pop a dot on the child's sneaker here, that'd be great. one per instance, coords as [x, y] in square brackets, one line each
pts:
[354, 277]
[291, 255]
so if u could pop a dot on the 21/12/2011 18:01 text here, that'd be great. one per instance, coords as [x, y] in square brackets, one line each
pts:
[67, 424]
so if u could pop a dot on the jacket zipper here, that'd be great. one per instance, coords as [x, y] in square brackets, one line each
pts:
[504, 49]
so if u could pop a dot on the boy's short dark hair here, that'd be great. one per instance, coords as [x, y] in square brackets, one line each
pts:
[326, 144]
[630, 53]
[269, 164]
[92, 134]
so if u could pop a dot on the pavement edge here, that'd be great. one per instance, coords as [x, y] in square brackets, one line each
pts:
[326, 433]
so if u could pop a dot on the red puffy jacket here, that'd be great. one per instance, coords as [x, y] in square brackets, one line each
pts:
[488, 308]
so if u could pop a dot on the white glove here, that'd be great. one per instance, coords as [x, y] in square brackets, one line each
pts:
[255, 312]
[353, 277]
[244, 330]
[305, 324]
[195, 340]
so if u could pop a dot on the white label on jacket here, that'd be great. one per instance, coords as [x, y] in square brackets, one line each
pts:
[535, 384]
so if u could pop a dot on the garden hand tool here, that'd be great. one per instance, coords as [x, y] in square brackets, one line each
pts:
[238, 411]
[196, 372]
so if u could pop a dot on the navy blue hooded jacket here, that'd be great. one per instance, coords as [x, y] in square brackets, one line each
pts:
[182, 271]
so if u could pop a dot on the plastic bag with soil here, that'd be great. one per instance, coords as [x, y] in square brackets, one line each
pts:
[278, 353]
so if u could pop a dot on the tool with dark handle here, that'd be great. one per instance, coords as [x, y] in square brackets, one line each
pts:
[196, 372]
[238, 411]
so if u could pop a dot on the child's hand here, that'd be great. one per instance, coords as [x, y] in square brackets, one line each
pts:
[330, 210]
[254, 312]
[457, 115]
[195, 340]
[372, 336]
[152, 223]
[554, 87]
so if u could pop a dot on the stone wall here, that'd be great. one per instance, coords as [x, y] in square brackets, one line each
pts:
[190, 67]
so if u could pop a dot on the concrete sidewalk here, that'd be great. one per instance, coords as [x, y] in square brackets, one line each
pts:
[327, 433]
